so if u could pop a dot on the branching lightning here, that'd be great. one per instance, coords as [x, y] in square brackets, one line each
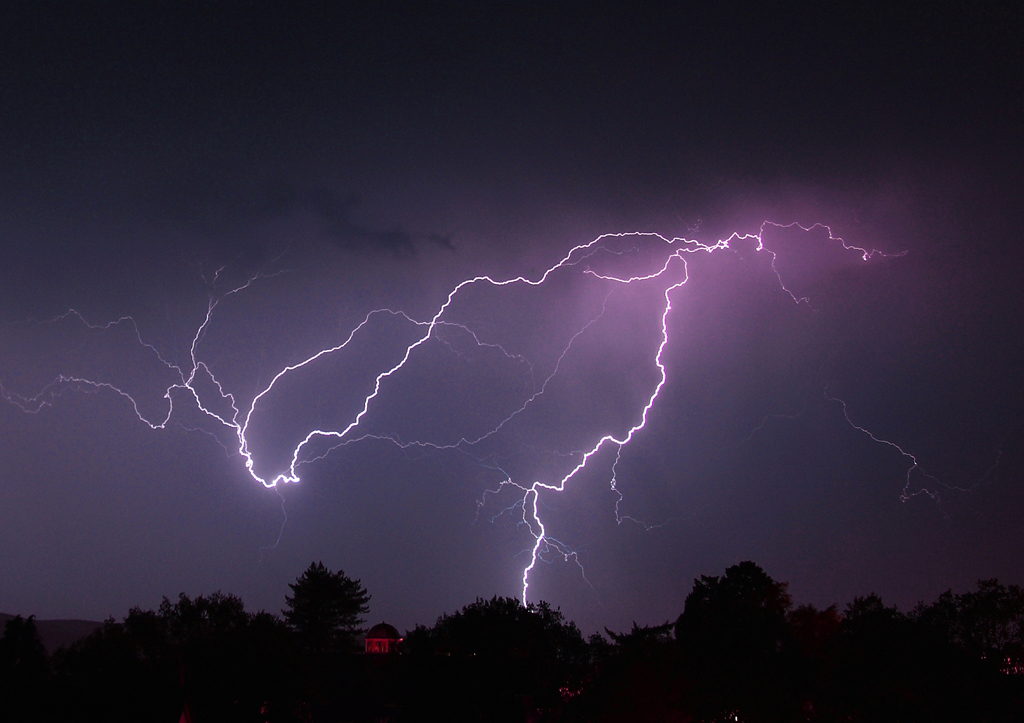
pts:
[667, 277]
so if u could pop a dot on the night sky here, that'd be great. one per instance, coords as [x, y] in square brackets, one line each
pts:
[152, 161]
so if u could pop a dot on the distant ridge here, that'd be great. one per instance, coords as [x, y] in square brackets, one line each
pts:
[55, 633]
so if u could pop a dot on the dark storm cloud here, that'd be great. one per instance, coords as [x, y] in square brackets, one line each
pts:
[221, 203]
[335, 211]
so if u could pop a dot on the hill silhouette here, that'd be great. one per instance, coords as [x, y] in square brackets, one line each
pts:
[55, 633]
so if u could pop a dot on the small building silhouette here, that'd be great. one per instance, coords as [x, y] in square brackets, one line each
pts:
[382, 638]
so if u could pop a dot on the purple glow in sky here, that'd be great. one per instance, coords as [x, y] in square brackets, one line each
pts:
[512, 376]
[486, 301]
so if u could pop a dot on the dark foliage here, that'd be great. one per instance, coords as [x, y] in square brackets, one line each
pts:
[636, 677]
[226, 663]
[987, 624]
[739, 652]
[814, 630]
[326, 609]
[495, 660]
[884, 665]
[24, 672]
[736, 646]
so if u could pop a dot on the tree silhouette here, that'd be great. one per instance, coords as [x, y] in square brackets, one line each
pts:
[739, 615]
[495, 660]
[813, 629]
[21, 651]
[635, 678]
[206, 652]
[24, 671]
[326, 608]
[987, 624]
[739, 653]
[734, 637]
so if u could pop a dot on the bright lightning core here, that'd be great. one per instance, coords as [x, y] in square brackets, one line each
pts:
[534, 378]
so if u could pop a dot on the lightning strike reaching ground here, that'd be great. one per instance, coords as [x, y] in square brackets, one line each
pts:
[197, 384]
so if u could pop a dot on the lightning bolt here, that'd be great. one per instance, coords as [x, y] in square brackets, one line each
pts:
[196, 382]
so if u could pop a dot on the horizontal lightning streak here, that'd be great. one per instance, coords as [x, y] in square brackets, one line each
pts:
[239, 420]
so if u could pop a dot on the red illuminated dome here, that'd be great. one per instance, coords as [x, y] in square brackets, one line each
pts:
[382, 638]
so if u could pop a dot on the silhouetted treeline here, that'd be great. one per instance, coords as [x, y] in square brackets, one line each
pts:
[739, 651]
